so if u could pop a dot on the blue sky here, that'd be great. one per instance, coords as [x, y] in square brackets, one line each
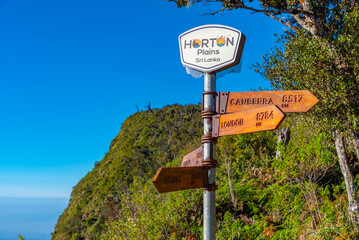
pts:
[72, 71]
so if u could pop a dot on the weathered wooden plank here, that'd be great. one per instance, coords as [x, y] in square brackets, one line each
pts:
[194, 158]
[180, 178]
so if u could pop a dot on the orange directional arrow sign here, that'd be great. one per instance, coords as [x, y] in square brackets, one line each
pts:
[254, 120]
[180, 178]
[287, 101]
[194, 158]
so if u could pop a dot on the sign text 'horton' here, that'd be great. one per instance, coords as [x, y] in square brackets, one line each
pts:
[211, 48]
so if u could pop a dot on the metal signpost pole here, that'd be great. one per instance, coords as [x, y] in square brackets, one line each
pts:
[208, 110]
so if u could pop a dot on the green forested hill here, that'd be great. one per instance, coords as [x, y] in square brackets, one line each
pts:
[300, 195]
[147, 141]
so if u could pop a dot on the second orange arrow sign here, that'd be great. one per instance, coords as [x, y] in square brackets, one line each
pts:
[254, 120]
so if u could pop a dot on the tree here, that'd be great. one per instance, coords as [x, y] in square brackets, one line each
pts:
[303, 63]
[283, 139]
[318, 52]
[327, 67]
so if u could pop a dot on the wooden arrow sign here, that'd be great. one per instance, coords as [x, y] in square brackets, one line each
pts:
[287, 101]
[180, 178]
[254, 120]
[194, 158]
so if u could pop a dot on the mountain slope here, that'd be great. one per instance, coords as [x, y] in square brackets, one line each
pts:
[147, 141]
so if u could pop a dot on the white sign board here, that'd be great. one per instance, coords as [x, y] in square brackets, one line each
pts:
[211, 48]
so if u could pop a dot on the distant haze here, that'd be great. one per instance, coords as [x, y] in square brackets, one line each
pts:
[33, 218]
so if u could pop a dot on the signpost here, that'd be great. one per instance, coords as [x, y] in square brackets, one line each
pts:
[254, 120]
[194, 158]
[211, 49]
[180, 178]
[287, 101]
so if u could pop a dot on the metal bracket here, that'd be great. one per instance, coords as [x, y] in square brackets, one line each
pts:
[215, 125]
[209, 139]
[207, 111]
[222, 100]
[208, 114]
[211, 187]
[209, 163]
[207, 186]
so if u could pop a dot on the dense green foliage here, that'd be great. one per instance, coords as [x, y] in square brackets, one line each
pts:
[301, 195]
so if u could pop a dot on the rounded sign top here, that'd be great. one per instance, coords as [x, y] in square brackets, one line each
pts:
[211, 48]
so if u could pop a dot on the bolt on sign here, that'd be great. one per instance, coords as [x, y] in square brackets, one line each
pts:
[211, 48]
[254, 120]
[180, 178]
[194, 158]
[287, 101]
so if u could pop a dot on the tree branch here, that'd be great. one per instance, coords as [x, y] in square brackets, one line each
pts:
[286, 23]
[267, 11]
[239, 4]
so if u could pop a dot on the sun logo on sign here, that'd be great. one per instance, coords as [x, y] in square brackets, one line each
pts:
[196, 43]
[221, 42]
